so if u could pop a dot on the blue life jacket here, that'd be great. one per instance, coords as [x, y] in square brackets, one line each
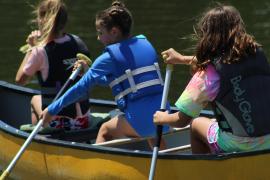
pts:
[242, 104]
[138, 73]
[61, 58]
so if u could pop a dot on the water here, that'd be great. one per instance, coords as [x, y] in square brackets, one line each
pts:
[165, 23]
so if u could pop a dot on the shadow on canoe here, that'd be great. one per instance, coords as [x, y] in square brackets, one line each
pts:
[72, 154]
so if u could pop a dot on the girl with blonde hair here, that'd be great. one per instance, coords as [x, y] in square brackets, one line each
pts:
[51, 55]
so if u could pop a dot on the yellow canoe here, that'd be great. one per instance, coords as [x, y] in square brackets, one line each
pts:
[51, 157]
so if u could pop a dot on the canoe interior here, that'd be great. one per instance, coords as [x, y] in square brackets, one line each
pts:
[15, 104]
[15, 111]
[65, 155]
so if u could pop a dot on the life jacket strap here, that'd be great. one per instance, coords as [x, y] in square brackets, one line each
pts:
[138, 86]
[136, 72]
[159, 74]
[131, 80]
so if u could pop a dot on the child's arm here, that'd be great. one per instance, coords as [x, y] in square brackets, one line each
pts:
[102, 66]
[21, 77]
[177, 119]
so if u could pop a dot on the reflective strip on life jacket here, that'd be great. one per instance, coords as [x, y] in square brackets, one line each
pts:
[141, 70]
[138, 86]
[134, 87]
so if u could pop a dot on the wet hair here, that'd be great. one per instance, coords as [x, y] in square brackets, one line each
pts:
[53, 16]
[221, 35]
[116, 16]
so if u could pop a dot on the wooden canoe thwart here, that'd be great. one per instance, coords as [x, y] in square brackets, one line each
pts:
[72, 154]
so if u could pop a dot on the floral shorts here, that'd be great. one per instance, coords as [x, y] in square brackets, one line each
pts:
[212, 137]
[68, 123]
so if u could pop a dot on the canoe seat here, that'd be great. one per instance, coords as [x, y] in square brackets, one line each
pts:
[142, 143]
[128, 140]
[121, 141]
[177, 149]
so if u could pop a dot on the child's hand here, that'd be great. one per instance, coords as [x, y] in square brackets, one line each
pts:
[160, 117]
[47, 118]
[171, 56]
[33, 37]
[82, 63]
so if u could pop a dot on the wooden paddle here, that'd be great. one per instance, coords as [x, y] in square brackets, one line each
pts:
[40, 123]
[169, 69]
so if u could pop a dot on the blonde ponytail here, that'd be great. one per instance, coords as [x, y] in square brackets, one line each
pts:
[52, 15]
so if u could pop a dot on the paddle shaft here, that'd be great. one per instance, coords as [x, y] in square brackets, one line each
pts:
[68, 82]
[169, 70]
[38, 126]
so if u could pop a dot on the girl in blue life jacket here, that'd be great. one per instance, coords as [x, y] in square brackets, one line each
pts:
[129, 66]
[231, 73]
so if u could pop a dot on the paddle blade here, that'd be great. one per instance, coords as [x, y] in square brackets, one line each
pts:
[4, 175]
[23, 49]
[85, 58]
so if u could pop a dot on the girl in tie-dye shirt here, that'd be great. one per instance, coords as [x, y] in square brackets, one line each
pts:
[222, 37]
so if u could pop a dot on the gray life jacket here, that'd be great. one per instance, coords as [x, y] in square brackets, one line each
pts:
[242, 104]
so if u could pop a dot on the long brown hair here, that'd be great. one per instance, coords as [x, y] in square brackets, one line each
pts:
[52, 17]
[116, 16]
[221, 34]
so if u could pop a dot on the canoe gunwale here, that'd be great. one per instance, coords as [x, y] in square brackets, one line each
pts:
[19, 89]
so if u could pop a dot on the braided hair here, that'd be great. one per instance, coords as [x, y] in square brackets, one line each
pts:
[116, 16]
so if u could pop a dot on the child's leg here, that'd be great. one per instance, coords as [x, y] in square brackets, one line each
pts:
[199, 130]
[117, 127]
[36, 108]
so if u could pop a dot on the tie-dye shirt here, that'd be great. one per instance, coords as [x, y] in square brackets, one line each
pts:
[203, 88]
